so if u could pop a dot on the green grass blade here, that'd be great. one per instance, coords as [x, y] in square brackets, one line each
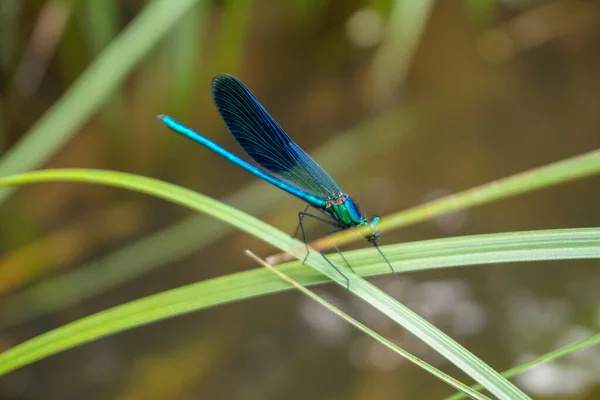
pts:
[406, 257]
[563, 171]
[157, 249]
[256, 282]
[559, 172]
[94, 86]
[552, 355]
[442, 343]
[561, 244]
[193, 233]
[431, 254]
[388, 343]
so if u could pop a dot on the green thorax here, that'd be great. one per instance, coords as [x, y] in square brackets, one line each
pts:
[345, 211]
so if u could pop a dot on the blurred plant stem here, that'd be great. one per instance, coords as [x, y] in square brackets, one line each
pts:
[93, 87]
[406, 24]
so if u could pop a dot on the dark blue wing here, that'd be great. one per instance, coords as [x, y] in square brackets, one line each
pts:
[265, 142]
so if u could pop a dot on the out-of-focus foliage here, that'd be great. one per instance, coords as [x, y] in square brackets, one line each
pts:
[444, 96]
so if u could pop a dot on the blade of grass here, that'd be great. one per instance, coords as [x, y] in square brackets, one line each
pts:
[252, 283]
[572, 168]
[440, 253]
[566, 245]
[552, 355]
[436, 339]
[559, 172]
[94, 86]
[195, 232]
[389, 344]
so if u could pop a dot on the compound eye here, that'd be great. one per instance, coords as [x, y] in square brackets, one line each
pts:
[374, 220]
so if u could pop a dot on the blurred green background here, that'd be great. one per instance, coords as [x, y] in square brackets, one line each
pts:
[401, 101]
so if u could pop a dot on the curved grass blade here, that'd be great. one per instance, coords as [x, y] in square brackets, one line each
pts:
[443, 344]
[252, 283]
[577, 167]
[567, 244]
[423, 255]
[552, 355]
[193, 233]
[389, 344]
[157, 249]
[572, 168]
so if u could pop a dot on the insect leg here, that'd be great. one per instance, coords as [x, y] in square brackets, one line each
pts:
[301, 215]
[300, 226]
[338, 270]
[338, 250]
[386, 259]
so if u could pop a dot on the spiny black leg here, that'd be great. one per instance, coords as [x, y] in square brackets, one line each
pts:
[343, 258]
[338, 250]
[319, 218]
[386, 259]
[300, 216]
[338, 270]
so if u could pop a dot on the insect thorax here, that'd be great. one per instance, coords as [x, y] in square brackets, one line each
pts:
[345, 211]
